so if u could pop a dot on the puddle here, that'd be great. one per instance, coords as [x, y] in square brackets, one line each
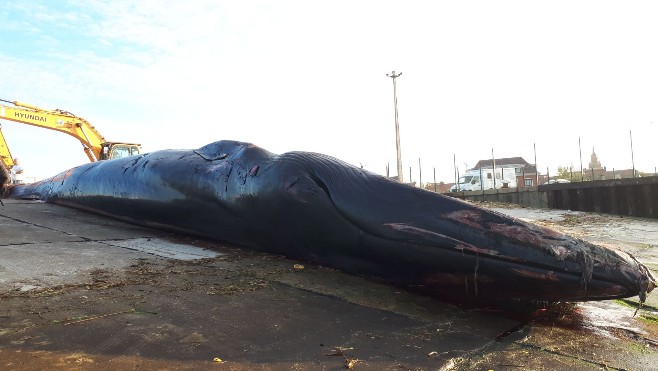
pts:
[165, 249]
[604, 318]
[25, 288]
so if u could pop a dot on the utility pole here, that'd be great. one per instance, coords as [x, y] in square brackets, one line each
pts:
[435, 178]
[534, 147]
[632, 155]
[397, 125]
[420, 174]
[580, 150]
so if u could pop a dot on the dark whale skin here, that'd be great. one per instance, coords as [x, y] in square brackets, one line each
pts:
[314, 207]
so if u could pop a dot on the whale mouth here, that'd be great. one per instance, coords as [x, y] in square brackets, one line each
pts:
[536, 253]
[490, 277]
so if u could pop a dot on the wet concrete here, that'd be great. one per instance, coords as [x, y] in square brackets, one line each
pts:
[78, 291]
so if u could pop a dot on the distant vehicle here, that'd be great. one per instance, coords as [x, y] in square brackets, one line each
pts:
[483, 179]
[558, 181]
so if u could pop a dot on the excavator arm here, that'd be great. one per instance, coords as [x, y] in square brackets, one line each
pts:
[93, 143]
[5, 155]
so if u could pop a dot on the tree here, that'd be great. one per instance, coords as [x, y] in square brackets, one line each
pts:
[564, 172]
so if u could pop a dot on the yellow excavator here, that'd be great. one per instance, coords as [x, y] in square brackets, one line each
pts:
[93, 144]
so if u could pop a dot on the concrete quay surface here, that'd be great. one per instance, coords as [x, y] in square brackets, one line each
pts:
[84, 292]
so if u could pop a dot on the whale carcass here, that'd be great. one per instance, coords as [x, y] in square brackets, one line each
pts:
[314, 207]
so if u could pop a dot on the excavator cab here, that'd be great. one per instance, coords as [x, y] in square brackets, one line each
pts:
[113, 150]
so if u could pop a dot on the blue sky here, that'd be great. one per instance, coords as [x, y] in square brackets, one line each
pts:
[307, 75]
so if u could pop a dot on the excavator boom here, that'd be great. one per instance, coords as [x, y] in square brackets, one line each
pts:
[93, 143]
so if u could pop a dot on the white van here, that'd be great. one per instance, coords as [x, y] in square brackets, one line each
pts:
[483, 179]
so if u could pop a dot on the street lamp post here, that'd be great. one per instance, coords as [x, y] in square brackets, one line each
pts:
[397, 125]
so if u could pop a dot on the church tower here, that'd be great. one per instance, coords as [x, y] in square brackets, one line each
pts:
[594, 162]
